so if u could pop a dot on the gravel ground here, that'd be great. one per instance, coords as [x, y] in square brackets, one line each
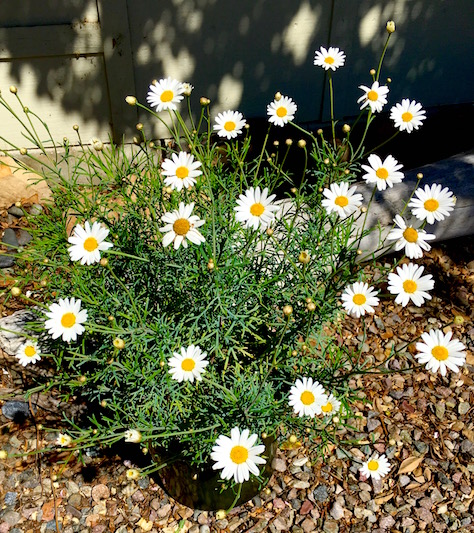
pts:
[422, 422]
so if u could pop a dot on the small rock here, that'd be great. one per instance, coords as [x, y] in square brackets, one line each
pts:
[440, 410]
[407, 521]
[320, 493]
[297, 529]
[279, 464]
[23, 237]
[138, 496]
[278, 503]
[10, 498]
[467, 446]
[422, 447]
[330, 526]
[11, 518]
[16, 211]
[424, 514]
[404, 480]
[308, 525]
[436, 496]
[372, 424]
[9, 238]
[16, 411]
[6, 261]
[144, 482]
[306, 507]
[100, 492]
[36, 209]
[386, 522]
[300, 484]
[164, 511]
[194, 529]
[364, 496]
[337, 512]
[463, 408]
[204, 529]
[222, 524]
[75, 500]
[300, 461]
[295, 504]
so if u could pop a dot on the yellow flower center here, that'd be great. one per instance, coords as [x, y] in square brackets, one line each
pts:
[431, 204]
[281, 112]
[229, 125]
[326, 408]
[373, 96]
[166, 96]
[188, 364]
[307, 397]
[68, 320]
[373, 465]
[440, 353]
[409, 286]
[257, 209]
[410, 235]
[341, 201]
[181, 226]
[182, 172]
[359, 299]
[382, 173]
[90, 244]
[329, 60]
[407, 116]
[239, 455]
[30, 351]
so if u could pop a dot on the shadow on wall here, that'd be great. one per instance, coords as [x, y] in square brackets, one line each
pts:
[236, 53]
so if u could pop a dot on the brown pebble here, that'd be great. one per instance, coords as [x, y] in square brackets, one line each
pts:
[100, 492]
[306, 507]
[138, 496]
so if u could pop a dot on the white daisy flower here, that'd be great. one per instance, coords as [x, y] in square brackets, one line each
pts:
[331, 407]
[359, 299]
[165, 94]
[255, 209]
[187, 89]
[237, 456]
[63, 440]
[432, 203]
[407, 115]
[409, 284]
[383, 173]
[410, 238]
[307, 397]
[88, 242]
[28, 353]
[66, 319]
[132, 473]
[439, 352]
[229, 124]
[181, 227]
[376, 467]
[189, 364]
[180, 171]
[329, 59]
[341, 200]
[132, 435]
[281, 111]
[374, 96]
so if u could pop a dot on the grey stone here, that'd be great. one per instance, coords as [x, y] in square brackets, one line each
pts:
[17, 211]
[422, 447]
[36, 209]
[10, 498]
[330, 526]
[16, 411]
[386, 522]
[372, 424]
[467, 446]
[144, 482]
[9, 238]
[222, 524]
[337, 512]
[23, 237]
[320, 493]
[51, 525]
[404, 480]
[204, 529]
[6, 261]
[11, 518]
[194, 529]
[296, 504]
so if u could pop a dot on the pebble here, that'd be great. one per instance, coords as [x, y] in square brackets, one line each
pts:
[337, 512]
[6, 261]
[297, 529]
[301, 484]
[330, 526]
[11, 517]
[23, 237]
[36, 209]
[10, 498]
[306, 507]
[16, 411]
[308, 525]
[16, 211]
[463, 408]
[320, 493]
[424, 514]
[386, 522]
[204, 529]
[467, 446]
[404, 480]
[9, 237]
[279, 464]
[295, 504]
[75, 500]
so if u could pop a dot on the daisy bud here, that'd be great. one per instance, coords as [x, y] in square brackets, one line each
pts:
[131, 100]
[308, 299]
[293, 439]
[54, 477]
[13, 89]
[347, 171]
[363, 209]
[294, 353]
[301, 143]
[346, 128]
[320, 189]
[458, 320]
[289, 142]
[390, 27]
[144, 451]
[276, 143]
[389, 80]
[103, 403]
[267, 491]
[269, 232]
[221, 514]
[23, 151]
[419, 176]
[82, 379]
[247, 126]
[119, 343]
[304, 258]
[151, 144]
[104, 261]
[278, 96]
[264, 435]
[75, 127]
[110, 318]
[204, 101]
[294, 190]
[133, 435]
[16, 291]
[139, 126]
[359, 252]
[326, 161]
[335, 419]
[320, 131]
[372, 72]
[136, 140]
[43, 282]
[94, 431]
[188, 89]
[211, 265]
[169, 190]
[287, 310]
[311, 307]
[40, 427]
[3, 454]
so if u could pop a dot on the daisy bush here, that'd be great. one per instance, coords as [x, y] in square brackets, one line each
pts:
[187, 285]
